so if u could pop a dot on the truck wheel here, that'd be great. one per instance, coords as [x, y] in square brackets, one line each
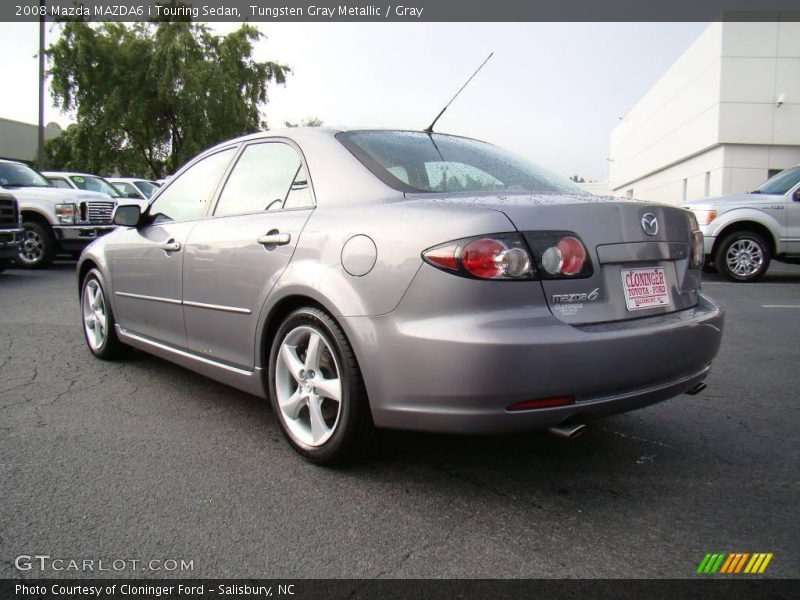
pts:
[38, 248]
[742, 256]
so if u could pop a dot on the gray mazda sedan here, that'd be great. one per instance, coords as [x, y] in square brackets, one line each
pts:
[367, 279]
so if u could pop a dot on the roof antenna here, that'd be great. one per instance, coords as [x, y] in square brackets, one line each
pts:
[429, 129]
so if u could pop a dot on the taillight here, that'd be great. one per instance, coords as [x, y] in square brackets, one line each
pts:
[698, 252]
[560, 254]
[565, 258]
[501, 256]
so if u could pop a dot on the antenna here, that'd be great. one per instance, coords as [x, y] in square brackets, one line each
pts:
[429, 129]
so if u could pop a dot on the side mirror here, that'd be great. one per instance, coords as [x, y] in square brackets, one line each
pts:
[127, 215]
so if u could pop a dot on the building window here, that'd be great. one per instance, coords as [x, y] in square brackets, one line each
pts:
[708, 184]
[685, 188]
[772, 172]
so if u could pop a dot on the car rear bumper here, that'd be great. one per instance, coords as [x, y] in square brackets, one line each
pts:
[461, 373]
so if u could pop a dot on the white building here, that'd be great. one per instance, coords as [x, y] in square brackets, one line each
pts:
[20, 141]
[721, 120]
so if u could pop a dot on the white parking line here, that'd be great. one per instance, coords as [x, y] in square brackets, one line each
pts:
[780, 306]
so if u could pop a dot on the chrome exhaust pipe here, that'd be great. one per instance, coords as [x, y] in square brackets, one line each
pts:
[567, 431]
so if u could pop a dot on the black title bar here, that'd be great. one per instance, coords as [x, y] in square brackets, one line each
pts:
[412, 11]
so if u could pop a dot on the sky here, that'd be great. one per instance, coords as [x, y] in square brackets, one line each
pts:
[552, 91]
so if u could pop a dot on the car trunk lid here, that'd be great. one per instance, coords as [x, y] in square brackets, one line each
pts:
[648, 259]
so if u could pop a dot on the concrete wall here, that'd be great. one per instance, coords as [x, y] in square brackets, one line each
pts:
[19, 141]
[711, 124]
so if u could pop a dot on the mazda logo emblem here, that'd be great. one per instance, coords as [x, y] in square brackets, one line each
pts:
[649, 223]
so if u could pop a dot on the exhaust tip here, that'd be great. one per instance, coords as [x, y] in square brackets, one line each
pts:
[568, 431]
[697, 389]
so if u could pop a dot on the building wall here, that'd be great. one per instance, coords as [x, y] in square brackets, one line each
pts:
[20, 141]
[711, 124]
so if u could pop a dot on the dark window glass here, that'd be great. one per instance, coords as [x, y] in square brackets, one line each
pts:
[19, 175]
[420, 162]
[780, 183]
[94, 184]
[60, 183]
[188, 195]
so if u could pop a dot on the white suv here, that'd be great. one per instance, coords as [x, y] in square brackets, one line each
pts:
[743, 232]
[53, 219]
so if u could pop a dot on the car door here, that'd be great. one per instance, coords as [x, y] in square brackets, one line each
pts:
[234, 259]
[147, 262]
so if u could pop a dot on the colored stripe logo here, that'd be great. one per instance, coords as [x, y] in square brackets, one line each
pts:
[734, 562]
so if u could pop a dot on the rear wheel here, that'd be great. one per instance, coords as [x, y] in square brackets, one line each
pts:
[317, 391]
[38, 247]
[742, 256]
[98, 319]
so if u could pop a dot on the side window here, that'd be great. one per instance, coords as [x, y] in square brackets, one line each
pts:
[188, 196]
[300, 192]
[267, 176]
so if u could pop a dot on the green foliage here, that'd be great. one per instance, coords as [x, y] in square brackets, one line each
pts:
[149, 96]
[309, 122]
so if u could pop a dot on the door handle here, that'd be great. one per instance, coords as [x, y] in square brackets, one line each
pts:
[274, 238]
[171, 246]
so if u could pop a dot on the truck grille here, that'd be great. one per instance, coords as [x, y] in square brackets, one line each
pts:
[99, 212]
[8, 212]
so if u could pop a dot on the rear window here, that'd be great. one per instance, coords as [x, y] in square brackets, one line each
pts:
[413, 161]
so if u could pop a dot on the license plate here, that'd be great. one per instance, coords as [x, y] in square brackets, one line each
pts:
[645, 288]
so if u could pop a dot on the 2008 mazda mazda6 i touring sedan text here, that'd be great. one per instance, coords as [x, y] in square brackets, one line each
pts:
[400, 279]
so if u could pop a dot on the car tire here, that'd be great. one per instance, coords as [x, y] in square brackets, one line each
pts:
[742, 256]
[708, 267]
[302, 390]
[99, 329]
[38, 247]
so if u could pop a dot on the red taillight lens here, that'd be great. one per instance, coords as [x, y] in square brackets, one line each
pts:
[501, 256]
[542, 403]
[573, 255]
[443, 256]
[481, 258]
[698, 252]
[565, 257]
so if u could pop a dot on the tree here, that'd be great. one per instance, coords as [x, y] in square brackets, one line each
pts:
[309, 122]
[149, 96]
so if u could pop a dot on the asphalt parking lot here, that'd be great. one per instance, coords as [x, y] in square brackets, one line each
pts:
[144, 460]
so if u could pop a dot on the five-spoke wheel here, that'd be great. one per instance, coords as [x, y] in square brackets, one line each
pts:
[316, 389]
[98, 318]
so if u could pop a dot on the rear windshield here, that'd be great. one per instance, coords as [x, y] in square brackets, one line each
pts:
[413, 161]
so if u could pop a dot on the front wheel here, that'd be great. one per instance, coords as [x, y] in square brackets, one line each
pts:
[98, 319]
[38, 247]
[317, 391]
[742, 256]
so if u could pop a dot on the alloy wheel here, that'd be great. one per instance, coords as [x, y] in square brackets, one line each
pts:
[95, 316]
[744, 257]
[32, 249]
[308, 386]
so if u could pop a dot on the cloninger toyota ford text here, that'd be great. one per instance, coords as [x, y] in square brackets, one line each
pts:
[369, 279]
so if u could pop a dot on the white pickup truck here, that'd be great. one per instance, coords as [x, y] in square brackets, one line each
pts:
[53, 220]
[743, 232]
